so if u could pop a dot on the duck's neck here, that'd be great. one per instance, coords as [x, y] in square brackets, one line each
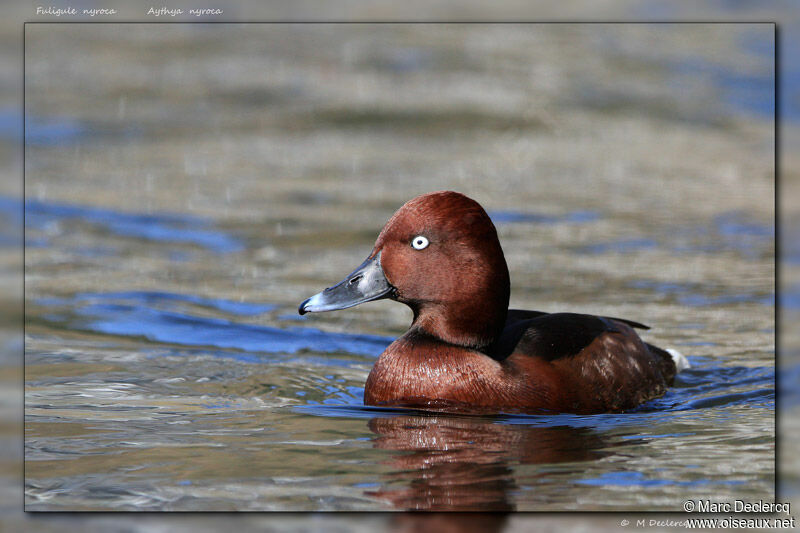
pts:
[472, 323]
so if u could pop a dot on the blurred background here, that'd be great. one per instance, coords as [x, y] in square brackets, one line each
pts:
[188, 185]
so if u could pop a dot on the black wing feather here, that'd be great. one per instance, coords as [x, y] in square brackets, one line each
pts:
[522, 314]
[551, 335]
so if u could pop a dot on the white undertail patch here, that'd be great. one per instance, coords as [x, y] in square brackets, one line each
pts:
[681, 362]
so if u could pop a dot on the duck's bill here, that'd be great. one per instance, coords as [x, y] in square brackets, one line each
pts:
[364, 284]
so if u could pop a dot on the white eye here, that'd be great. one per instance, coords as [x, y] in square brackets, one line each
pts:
[419, 242]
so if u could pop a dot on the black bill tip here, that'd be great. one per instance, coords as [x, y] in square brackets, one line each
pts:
[365, 284]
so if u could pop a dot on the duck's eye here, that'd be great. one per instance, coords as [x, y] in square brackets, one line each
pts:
[419, 242]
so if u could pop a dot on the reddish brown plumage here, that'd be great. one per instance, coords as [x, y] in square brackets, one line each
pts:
[442, 459]
[615, 372]
[465, 350]
[458, 287]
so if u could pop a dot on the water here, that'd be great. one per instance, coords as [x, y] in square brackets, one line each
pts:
[171, 233]
[159, 400]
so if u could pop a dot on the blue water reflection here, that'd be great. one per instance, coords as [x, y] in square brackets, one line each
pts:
[164, 318]
[160, 227]
[511, 217]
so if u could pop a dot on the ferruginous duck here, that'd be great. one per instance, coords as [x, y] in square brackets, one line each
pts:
[465, 350]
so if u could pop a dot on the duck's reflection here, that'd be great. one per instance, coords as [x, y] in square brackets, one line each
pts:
[465, 463]
[448, 522]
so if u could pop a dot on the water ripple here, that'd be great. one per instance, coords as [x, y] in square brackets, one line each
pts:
[161, 227]
[154, 316]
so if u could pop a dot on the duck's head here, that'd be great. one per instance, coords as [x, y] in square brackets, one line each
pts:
[440, 255]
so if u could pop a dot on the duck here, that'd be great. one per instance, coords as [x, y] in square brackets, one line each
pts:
[465, 350]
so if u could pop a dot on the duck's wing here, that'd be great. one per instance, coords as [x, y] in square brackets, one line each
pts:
[553, 335]
[515, 315]
[603, 362]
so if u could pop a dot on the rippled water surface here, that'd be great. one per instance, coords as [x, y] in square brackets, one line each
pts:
[185, 190]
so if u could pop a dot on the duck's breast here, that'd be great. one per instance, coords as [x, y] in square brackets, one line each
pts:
[419, 371]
